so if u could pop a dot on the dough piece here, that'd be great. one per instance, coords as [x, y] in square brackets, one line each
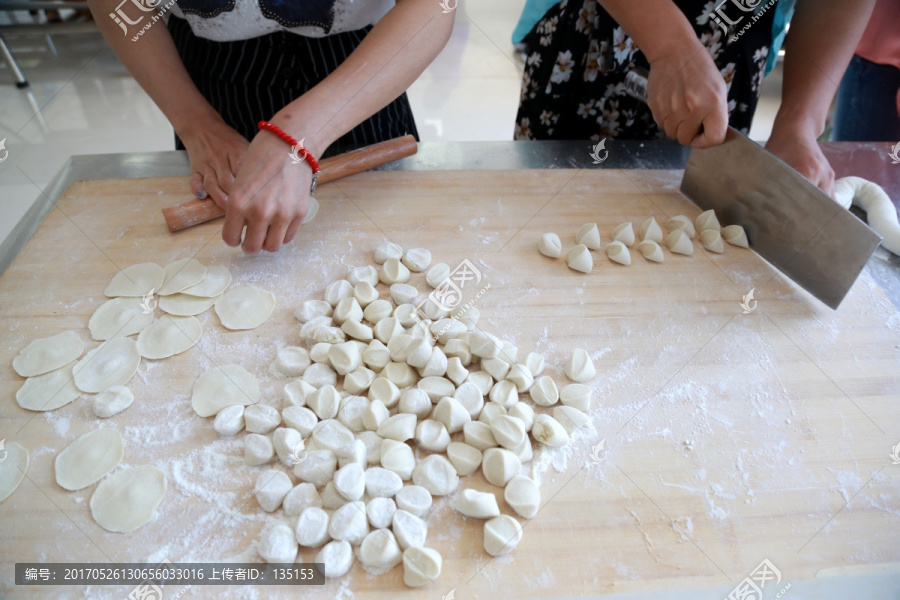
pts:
[358, 331]
[524, 413]
[707, 221]
[393, 271]
[223, 386]
[374, 415]
[350, 482]
[683, 223]
[490, 411]
[869, 196]
[579, 259]
[386, 328]
[436, 387]
[508, 353]
[183, 305]
[523, 495]
[386, 251]
[545, 392]
[245, 307]
[13, 468]
[576, 395]
[398, 457]
[624, 233]
[400, 427]
[332, 435]
[467, 315]
[403, 293]
[89, 458]
[500, 465]
[311, 309]
[470, 397]
[112, 401]
[521, 376]
[367, 274]
[365, 293]
[712, 240]
[215, 282]
[414, 499]
[478, 434]
[651, 231]
[482, 380]
[119, 316]
[337, 558]
[501, 535]
[345, 357]
[348, 309]
[291, 361]
[379, 551]
[451, 413]
[417, 259]
[549, 431]
[650, 250]
[385, 391]
[465, 458]
[381, 483]
[351, 412]
[381, 512]
[288, 444]
[550, 245]
[128, 499]
[409, 530]
[230, 420]
[431, 435]
[475, 504]
[483, 346]
[378, 310]
[320, 374]
[258, 449]
[349, 523]
[337, 291]
[48, 354]
[272, 486]
[48, 391]
[418, 352]
[415, 402]
[437, 274]
[372, 443]
[588, 235]
[736, 236]
[300, 418]
[114, 362]
[355, 452]
[421, 566]
[456, 372]
[136, 281]
[535, 363]
[524, 452]
[278, 544]
[296, 392]
[406, 314]
[447, 329]
[301, 497]
[311, 530]
[318, 468]
[617, 252]
[181, 275]
[169, 336]
[508, 431]
[570, 418]
[679, 242]
[359, 380]
[497, 367]
[580, 368]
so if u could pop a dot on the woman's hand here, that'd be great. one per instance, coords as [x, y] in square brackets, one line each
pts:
[269, 196]
[215, 151]
[798, 148]
[688, 96]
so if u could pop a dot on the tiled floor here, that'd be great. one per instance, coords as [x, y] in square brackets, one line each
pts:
[83, 101]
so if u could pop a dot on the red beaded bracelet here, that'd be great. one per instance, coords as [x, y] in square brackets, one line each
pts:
[297, 146]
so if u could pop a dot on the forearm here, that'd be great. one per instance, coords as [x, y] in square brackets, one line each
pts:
[154, 62]
[381, 68]
[657, 26]
[821, 42]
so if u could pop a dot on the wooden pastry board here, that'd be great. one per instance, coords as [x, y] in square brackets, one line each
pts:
[729, 438]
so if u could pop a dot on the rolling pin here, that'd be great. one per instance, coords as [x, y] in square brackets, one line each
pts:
[196, 211]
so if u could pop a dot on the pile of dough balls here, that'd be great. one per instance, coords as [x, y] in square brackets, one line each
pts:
[56, 373]
[681, 232]
[383, 414]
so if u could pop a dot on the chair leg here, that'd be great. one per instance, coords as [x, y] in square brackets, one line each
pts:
[21, 82]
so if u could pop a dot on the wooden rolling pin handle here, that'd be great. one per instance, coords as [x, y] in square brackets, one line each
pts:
[196, 211]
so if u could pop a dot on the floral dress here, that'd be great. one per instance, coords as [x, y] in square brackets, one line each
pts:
[573, 87]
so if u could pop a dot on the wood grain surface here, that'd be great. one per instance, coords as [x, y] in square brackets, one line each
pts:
[729, 438]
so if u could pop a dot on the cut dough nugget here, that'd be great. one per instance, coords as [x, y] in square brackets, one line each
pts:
[245, 307]
[579, 259]
[48, 354]
[589, 236]
[550, 245]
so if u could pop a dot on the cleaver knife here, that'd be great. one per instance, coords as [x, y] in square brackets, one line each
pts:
[789, 221]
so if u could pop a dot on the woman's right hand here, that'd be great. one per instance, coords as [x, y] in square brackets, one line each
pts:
[688, 96]
[215, 151]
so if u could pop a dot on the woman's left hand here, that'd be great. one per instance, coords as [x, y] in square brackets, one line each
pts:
[801, 150]
[270, 196]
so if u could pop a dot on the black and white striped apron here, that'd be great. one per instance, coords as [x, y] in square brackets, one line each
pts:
[250, 80]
